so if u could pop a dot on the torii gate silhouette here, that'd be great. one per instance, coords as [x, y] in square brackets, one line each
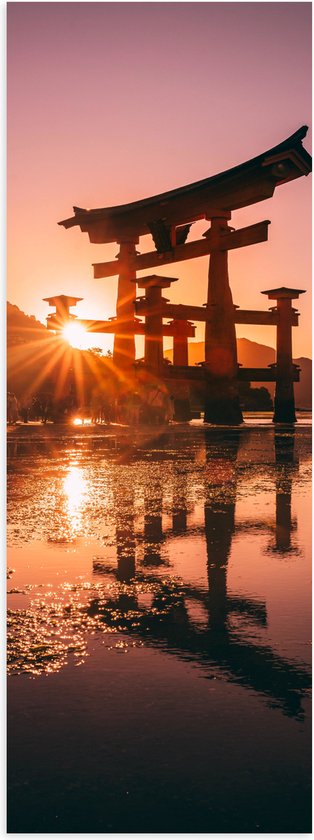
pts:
[169, 217]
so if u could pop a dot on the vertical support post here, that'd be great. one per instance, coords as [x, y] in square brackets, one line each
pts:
[153, 286]
[124, 340]
[182, 330]
[153, 329]
[284, 392]
[222, 404]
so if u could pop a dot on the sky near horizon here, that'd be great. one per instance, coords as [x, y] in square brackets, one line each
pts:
[112, 102]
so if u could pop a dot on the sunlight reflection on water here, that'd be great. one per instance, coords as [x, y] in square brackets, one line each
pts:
[175, 505]
[159, 593]
[75, 488]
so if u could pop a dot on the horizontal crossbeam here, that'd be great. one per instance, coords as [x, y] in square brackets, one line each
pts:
[115, 327]
[198, 373]
[263, 374]
[180, 312]
[191, 250]
[199, 313]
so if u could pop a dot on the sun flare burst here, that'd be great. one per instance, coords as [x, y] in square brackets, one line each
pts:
[76, 336]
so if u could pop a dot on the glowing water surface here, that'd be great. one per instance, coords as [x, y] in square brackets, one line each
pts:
[159, 624]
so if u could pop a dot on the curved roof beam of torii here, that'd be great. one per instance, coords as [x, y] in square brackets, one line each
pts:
[248, 183]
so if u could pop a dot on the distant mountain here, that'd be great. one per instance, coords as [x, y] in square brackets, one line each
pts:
[30, 346]
[250, 354]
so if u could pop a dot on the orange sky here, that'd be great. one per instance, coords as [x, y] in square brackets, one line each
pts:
[112, 102]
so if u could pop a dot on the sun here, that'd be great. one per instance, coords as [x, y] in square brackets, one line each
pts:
[76, 336]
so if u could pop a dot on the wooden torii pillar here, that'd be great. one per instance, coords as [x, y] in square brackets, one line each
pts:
[222, 405]
[284, 392]
[182, 330]
[124, 339]
[153, 286]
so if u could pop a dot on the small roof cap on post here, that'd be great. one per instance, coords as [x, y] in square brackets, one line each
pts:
[283, 292]
[64, 300]
[155, 280]
[183, 327]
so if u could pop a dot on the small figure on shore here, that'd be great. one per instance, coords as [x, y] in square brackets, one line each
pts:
[12, 408]
[24, 412]
[133, 409]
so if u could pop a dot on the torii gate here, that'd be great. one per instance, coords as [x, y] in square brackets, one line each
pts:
[168, 217]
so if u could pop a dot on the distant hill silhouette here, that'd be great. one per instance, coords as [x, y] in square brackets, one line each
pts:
[30, 345]
[22, 328]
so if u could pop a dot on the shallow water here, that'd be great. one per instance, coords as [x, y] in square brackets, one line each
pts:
[159, 622]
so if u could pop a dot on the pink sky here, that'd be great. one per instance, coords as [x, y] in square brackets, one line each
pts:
[112, 102]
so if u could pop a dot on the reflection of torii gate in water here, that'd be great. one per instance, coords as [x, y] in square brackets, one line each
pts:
[168, 218]
[168, 622]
